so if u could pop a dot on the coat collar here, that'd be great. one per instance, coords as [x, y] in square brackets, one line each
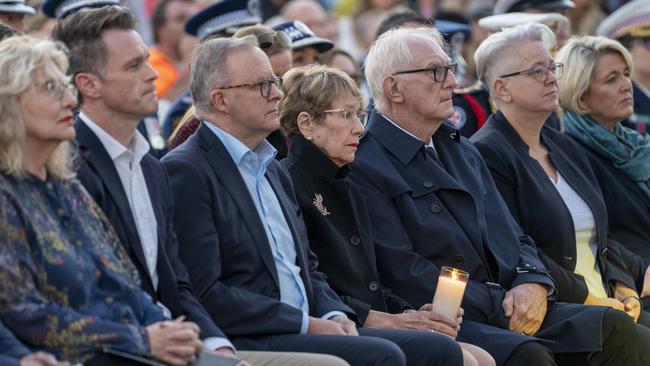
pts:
[402, 145]
[307, 154]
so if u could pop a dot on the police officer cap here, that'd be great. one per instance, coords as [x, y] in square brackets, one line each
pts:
[301, 36]
[631, 19]
[508, 6]
[16, 7]
[225, 17]
[448, 29]
[62, 8]
[496, 23]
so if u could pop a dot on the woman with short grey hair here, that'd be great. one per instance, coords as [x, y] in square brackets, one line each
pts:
[546, 181]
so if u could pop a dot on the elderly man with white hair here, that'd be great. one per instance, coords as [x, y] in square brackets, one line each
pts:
[433, 203]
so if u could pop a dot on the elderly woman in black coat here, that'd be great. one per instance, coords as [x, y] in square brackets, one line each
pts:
[596, 95]
[325, 113]
[545, 178]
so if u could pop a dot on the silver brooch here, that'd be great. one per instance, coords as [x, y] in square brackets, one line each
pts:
[318, 202]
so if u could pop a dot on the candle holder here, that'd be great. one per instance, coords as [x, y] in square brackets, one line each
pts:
[449, 292]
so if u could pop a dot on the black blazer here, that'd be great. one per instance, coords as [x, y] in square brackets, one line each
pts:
[97, 173]
[540, 210]
[628, 209]
[339, 230]
[224, 244]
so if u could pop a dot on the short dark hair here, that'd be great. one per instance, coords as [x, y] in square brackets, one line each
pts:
[7, 31]
[158, 18]
[399, 18]
[82, 33]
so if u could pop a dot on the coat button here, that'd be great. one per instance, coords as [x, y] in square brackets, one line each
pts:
[373, 286]
[435, 207]
[355, 240]
[459, 259]
[427, 184]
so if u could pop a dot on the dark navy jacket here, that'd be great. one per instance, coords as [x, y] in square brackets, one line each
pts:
[540, 210]
[99, 176]
[224, 244]
[425, 216]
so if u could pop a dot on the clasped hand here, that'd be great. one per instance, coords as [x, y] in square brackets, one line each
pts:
[525, 305]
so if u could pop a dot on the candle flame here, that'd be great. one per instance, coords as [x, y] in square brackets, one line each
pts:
[454, 275]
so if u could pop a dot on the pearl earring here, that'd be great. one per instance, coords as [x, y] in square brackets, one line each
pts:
[309, 138]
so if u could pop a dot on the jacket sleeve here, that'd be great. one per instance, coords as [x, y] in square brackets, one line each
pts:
[10, 347]
[401, 267]
[40, 321]
[571, 286]
[191, 306]
[236, 310]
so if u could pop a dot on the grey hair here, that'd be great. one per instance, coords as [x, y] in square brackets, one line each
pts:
[20, 57]
[210, 69]
[391, 52]
[499, 46]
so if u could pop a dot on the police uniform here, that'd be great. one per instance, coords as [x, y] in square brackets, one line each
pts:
[60, 9]
[472, 107]
[222, 19]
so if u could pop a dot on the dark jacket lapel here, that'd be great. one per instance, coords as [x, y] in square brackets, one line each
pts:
[227, 172]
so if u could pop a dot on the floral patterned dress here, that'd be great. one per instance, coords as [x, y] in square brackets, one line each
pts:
[66, 284]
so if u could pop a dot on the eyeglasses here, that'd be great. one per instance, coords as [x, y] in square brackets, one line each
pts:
[268, 40]
[349, 116]
[540, 73]
[439, 72]
[264, 85]
[56, 89]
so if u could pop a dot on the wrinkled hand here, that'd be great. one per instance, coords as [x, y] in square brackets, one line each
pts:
[428, 321]
[629, 298]
[525, 305]
[459, 316]
[174, 342]
[41, 359]
[645, 291]
[349, 326]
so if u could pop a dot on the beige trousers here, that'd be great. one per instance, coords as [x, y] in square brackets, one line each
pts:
[289, 359]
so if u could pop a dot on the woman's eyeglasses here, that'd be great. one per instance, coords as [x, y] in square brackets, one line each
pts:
[351, 116]
[56, 89]
[540, 73]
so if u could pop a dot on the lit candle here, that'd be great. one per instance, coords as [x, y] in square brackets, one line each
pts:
[449, 292]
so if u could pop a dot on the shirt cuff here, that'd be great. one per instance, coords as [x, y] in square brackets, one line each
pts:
[305, 323]
[214, 343]
[334, 313]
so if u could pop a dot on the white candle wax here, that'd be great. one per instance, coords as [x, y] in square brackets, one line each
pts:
[448, 296]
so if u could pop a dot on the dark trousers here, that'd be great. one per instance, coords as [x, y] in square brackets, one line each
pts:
[624, 343]
[373, 347]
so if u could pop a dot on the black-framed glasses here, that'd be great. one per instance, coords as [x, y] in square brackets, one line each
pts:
[439, 72]
[264, 85]
[540, 73]
[268, 40]
[350, 116]
[56, 89]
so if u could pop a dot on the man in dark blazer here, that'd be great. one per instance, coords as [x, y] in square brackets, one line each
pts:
[238, 222]
[130, 185]
[433, 203]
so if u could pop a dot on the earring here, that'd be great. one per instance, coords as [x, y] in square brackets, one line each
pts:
[309, 138]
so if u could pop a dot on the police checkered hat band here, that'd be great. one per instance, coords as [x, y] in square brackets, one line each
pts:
[224, 17]
[62, 8]
[16, 7]
[301, 36]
